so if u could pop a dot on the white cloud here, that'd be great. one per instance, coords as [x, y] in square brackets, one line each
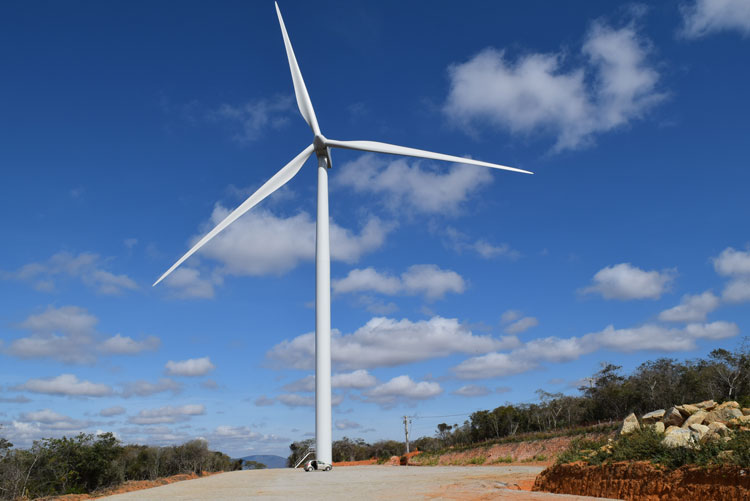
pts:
[460, 242]
[737, 291]
[552, 349]
[124, 345]
[190, 367]
[345, 424]
[255, 117]
[522, 325]
[510, 316]
[536, 93]
[405, 185]
[264, 401]
[735, 264]
[403, 388]
[143, 388]
[86, 266]
[704, 17]
[732, 262]
[367, 279]
[187, 283]
[624, 282]
[49, 421]
[295, 400]
[65, 384]
[385, 342]
[68, 334]
[348, 380]
[472, 390]
[691, 308]
[112, 411]
[167, 414]
[427, 279]
[261, 243]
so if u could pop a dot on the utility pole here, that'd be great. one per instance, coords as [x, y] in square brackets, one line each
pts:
[407, 422]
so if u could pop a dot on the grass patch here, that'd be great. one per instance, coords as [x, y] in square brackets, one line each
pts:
[504, 459]
[477, 460]
[646, 445]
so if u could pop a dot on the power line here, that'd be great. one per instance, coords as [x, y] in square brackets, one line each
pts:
[446, 415]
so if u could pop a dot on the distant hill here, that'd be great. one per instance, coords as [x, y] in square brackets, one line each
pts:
[268, 460]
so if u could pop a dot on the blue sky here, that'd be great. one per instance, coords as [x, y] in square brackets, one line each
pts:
[130, 128]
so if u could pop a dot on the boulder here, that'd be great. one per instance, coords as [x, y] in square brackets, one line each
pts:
[696, 418]
[629, 425]
[723, 415]
[671, 429]
[679, 438]
[687, 409]
[738, 422]
[730, 403]
[673, 417]
[746, 411]
[719, 429]
[706, 405]
[698, 431]
[658, 427]
[653, 416]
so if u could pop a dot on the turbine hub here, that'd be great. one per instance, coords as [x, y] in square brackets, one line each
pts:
[320, 145]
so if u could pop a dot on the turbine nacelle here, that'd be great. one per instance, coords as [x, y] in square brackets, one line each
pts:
[320, 144]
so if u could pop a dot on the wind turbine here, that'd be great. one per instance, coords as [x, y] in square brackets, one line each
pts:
[321, 146]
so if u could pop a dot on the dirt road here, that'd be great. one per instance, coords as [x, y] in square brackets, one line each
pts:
[358, 482]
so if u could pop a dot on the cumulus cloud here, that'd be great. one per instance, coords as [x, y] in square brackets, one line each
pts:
[736, 265]
[358, 379]
[143, 388]
[535, 92]
[295, 400]
[112, 411]
[264, 401]
[65, 384]
[167, 414]
[522, 325]
[386, 342]
[472, 390]
[187, 283]
[704, 17]
[124, 345]
[426, 279]
[262, 243]
[191, 367]
[405, 185]
[692, 308]
[624, 282]
[69, 334]
[553, 349]
[345, 424]
[86, 266]
[461, 242]
[403, 388]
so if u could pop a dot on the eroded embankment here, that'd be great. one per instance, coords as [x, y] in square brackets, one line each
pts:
[646, 482]
[541, 451]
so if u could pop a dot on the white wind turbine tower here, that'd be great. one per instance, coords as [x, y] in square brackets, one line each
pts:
[321, 147]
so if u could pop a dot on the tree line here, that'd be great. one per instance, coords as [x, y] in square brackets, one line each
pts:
[87, 463]
[607, 396]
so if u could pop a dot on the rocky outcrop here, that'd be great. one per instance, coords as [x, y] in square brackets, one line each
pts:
[689, 425]
[646, 482]
[629, 425]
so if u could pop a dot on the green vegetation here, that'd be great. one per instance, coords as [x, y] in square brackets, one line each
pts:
[606, 398]
[253, 465]
[87, 463]
[646, 445]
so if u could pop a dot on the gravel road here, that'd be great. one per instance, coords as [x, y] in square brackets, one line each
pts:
[357, 482]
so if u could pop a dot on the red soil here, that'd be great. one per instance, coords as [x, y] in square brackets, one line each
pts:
[133, 485]
[646, 482]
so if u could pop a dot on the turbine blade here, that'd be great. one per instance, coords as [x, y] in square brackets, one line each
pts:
[392, 149]
[277, 181]
[300, 91]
